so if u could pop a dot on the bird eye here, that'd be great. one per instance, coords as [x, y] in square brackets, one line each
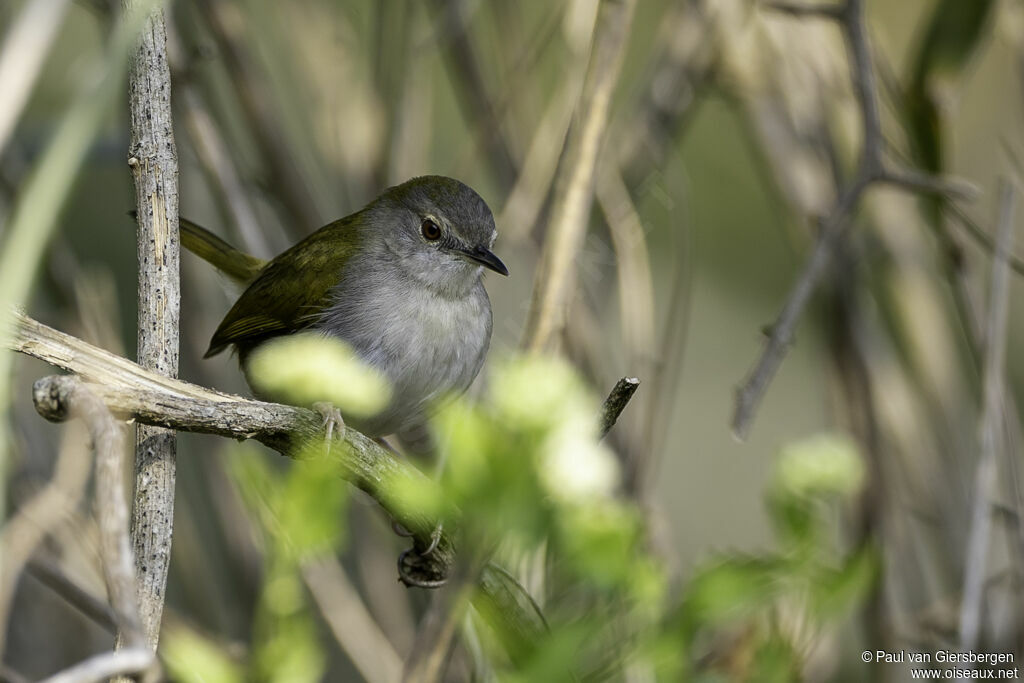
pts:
[430, 230]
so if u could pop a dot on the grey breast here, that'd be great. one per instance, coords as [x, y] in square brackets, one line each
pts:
[426, 346]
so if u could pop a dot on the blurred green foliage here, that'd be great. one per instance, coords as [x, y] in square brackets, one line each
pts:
[294, 367]
[300, 514]
[191, 658]
[750, 617]
[525, 476]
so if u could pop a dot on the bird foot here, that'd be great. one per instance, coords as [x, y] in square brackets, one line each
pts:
[411, 558]
[333, 421]
[408, 564]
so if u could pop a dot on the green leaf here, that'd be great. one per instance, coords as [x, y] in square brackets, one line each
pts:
[797, 521]
[464, 432]
[953, 34]
[257, 485]
[556, 655]
[837, 591]
[538, 392]
[775, 660]
[308, 368]
[731, 589]
[311, 508]
[300, 509]
[191, 658]
[600, 541]
[825, 464]
[289, 651]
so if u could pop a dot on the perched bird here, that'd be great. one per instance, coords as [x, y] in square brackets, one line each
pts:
[400, 281]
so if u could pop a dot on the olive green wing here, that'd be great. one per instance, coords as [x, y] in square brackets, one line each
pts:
[290, 293]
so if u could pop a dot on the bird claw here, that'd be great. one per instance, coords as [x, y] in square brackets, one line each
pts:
[408, 557]
[332, 420]
[435, 540]
[435, 536]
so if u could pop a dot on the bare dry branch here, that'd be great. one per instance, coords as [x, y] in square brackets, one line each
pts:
[153, 161]
[111, 510]
[574, 191]
[40, 515]
[53, 577]
[115, 542]
[351, 623]
[982, 238]
[635, 279]
[616, 403]
[635, 283]
[924, 183]
[133, 392]
[25, 47]
[130, 391]
[991, 425]
[525, 200]
[107, 665]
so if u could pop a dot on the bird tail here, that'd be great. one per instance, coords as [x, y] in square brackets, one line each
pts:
[237, 265]
[242, 268]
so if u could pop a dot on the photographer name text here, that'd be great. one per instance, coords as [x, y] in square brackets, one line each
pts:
[937, 657]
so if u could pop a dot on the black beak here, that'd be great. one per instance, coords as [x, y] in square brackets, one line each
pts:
[486, 257]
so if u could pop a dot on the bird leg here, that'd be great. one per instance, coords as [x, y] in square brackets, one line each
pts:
[332, 421]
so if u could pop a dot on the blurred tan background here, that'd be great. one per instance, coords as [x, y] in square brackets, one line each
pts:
[724, 121]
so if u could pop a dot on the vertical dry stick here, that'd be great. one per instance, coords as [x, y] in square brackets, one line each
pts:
[112, 512]
[991, 426]
[154, 164]
[574, 194]
[213, 155]
[525, 199]
[115, 545]
[636, 286]
[21, 59]
[636, 308]
[34, 520]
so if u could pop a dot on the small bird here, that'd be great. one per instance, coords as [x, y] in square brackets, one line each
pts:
[400, 281]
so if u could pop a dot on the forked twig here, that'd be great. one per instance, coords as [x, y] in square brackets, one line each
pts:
[871, 170]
